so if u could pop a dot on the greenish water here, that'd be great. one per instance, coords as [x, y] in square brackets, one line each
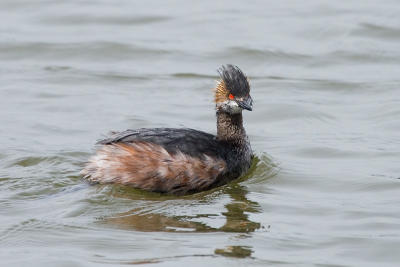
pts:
[323, 190]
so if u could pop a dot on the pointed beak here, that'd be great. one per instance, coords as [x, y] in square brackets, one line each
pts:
[246, 103]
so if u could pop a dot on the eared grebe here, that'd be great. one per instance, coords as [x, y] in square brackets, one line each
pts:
[181, 161]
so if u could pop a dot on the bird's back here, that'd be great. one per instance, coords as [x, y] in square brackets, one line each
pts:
[188, 141]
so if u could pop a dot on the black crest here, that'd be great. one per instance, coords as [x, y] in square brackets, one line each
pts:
[235, 80]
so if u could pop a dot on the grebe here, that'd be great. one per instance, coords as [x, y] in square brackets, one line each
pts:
[181, 161]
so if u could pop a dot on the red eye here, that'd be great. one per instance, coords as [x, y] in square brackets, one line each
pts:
[231, 96]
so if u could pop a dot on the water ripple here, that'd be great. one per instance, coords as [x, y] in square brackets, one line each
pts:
[88, 50]
[378, 32]
[86, 19]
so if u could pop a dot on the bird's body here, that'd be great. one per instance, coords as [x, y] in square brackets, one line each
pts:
[180, 161]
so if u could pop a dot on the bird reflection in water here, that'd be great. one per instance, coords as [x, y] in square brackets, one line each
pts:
[236, 218]
[236, 214]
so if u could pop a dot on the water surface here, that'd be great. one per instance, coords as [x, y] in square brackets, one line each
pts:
[325, 77]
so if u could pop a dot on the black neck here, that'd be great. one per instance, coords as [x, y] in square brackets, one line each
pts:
[230, 127]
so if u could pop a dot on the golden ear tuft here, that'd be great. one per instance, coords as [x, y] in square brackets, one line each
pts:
[221, 92]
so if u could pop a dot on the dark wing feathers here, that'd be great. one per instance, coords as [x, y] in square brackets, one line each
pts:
[189, 141]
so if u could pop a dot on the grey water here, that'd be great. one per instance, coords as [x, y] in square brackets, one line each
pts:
[322, 191]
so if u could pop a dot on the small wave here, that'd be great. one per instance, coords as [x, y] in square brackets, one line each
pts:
[96, 20]
[269, 55]
[32, 161]
[81, 50]
[190, 75]
[328, 153]
[379, 32]
[263, 168]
